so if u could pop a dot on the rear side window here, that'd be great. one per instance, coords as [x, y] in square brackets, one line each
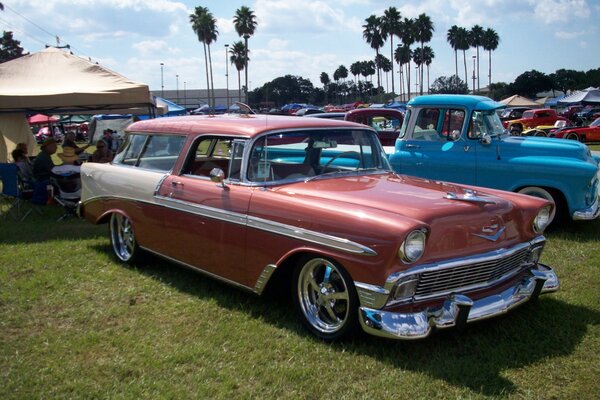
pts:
[438, 124]
[154, 152]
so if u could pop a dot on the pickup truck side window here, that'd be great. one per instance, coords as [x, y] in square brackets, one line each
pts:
[434, 124]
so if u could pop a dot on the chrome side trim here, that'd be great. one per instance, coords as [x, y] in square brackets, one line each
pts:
[310, 236]
[197, 269]
[264, 277]
[458, 309]
[277, 228]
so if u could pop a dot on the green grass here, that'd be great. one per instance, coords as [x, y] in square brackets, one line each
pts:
[594, 147]
[75, 323]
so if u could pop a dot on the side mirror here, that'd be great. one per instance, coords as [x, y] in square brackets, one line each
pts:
[486, 139]
[454, 135]
[217, 175]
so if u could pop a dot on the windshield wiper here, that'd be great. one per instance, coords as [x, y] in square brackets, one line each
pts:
[331, 173]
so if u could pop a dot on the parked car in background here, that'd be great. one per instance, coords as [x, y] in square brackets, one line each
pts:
[531, 119]
[511, 113]
[329, 115]
[586, 134]
[308, 111]
[545, 130]
[570, 112]
[312, 206]
[386, 121]
[44, 133]
[587, 113]
[461, 139]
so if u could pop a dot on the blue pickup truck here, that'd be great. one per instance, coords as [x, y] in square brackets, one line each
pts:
[460, 138]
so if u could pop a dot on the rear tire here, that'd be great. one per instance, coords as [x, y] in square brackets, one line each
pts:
[122, 238]
[539, 133]
[325, 298]
[572, 136]
[515, 130]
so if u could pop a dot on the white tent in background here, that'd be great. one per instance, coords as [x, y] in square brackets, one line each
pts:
[519, 101]
[14, 129]
[591, 96]
[53, 81]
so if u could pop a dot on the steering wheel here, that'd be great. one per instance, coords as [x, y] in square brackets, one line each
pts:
[344, 153]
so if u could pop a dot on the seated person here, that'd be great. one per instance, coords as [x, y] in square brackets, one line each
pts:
[68, 167]
[102, 153]
[25, 170]
[43, 164]
[70, 142]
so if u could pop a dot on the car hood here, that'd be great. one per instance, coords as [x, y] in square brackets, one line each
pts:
[515, 146]
[406, 203]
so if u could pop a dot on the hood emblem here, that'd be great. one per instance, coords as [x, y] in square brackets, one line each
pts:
[487, 232]
[469, 196]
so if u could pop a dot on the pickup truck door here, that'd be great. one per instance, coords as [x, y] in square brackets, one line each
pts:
[433, 147]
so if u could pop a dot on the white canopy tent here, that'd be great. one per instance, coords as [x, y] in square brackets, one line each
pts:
[586, 96]
[519, 101]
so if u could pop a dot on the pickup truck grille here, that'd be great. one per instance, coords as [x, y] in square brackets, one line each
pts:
[446, 280]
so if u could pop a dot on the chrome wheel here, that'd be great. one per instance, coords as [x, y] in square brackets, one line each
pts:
[572, 136]
[325, 297]
[122, 237]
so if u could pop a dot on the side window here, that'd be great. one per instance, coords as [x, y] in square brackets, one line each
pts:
[131, 150]
[161, 152]
[212, 152]
[434, 124]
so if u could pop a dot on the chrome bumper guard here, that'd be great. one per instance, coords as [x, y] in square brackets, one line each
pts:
[458, 309]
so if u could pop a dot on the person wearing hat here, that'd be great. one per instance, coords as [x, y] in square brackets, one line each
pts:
[68, 167]
[42, 165]
[69, 141]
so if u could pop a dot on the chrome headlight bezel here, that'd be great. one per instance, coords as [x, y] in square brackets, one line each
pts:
[542, 219]
[413, 247]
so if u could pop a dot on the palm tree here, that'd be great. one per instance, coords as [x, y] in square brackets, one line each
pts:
[490, 43]
[375, 37]
[204, 25]
[423, 31]
[408, 38]
[428, 56]
[462, 43]
[355, 69]
[391, 25]
[452, 38]
[386, 66]
[325, 81]
[403, 56]
[476, 40]
[245, 25]
[238, 57]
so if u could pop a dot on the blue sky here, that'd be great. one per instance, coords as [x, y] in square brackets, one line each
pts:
[301, 37]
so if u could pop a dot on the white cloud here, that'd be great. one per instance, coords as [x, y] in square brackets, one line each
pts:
[552, 11]
[568, 35]
[277, 44]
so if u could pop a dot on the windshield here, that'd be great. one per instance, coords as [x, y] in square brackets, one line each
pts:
[301, 155]
[485, 122]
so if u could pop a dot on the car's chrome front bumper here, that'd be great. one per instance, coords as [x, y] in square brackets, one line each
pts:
[457, 309]
[589, 213]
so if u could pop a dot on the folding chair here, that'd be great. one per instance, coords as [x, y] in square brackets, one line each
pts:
[12, 192]
[67, 193]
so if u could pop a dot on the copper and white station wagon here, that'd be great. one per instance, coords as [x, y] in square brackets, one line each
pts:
[313, 204]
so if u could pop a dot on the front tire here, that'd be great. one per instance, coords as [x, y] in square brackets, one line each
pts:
[122, 238]
[325, 298]
[572, 136]
[543, 194]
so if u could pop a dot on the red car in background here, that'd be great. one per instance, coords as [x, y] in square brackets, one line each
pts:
[531, 119]
[386, 121]
[589, 133]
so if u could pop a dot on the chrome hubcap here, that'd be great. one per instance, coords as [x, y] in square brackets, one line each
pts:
[123, 239]
[323, 295]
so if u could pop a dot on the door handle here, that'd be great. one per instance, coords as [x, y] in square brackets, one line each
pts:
[176, 183]
[412, 146]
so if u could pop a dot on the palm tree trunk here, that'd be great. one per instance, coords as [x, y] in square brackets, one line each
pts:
[490, 71]
[465, 60]
[428, 79]
[207, 80]
[456, 65]
[246, 66]
[421, 72]
[392, 59]
[408, 79]
[212, 83]
[239, 86]
[400, 86]
[477, 69]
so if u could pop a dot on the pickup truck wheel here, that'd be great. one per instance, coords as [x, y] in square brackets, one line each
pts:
[572, 136]
[122, 238]
[515, 130]
[543, 194]
[539, 133]
[325, 298]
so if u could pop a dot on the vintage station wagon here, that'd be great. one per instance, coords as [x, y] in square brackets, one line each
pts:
[312, 206]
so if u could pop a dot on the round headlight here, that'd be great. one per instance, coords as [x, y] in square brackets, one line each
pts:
[413, 247]
[542, 219]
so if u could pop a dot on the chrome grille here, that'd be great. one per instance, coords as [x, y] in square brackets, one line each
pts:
[446, 280]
